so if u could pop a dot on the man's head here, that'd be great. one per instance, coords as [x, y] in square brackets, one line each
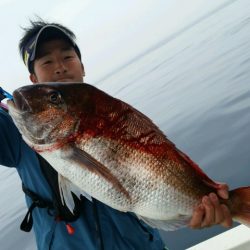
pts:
[50, 53]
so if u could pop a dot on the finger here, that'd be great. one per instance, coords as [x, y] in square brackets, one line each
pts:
[218, 211]
[197, 217]
[223, 191]
[228, 222]
[209, 218]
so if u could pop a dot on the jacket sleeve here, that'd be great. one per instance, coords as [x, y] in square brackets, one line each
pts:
[10, 141]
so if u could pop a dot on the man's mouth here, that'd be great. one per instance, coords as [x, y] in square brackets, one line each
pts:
[64, 80]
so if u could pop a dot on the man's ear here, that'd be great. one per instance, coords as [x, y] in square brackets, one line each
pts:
[33, 78]
[83, 71]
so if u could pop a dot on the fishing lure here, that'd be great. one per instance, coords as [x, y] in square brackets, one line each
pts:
[4, 94]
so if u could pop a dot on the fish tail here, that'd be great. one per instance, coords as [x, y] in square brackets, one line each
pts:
[240, 205]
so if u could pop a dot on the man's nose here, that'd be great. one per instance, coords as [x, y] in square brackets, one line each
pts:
[60, 67]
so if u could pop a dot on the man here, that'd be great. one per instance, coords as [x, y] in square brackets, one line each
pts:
[51, 55]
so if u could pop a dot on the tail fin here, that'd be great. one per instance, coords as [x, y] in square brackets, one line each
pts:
[240, 207]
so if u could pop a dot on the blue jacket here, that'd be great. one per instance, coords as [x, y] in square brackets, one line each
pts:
[115, 229]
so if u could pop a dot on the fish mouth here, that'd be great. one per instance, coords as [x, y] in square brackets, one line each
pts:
[20, 111]
[19, 103]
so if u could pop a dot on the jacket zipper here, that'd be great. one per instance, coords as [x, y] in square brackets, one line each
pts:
[97, 225]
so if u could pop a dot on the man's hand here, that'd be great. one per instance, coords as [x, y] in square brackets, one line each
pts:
[210, 212]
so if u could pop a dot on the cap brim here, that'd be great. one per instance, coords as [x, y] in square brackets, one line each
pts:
[41, 34]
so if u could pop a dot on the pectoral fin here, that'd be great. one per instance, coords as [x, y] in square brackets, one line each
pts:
[65, 188]
[168, 225]
[85, 160]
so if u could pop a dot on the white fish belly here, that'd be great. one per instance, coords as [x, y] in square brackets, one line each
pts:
[88, 181]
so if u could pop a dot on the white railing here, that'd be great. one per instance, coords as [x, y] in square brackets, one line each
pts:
[237, 238]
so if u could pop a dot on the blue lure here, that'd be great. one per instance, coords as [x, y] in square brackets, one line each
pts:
[4, 94]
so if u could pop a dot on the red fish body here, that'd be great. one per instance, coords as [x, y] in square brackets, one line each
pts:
[114, 153]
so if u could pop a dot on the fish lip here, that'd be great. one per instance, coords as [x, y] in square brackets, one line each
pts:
[12, 107]
[19, 103]
[11, 103]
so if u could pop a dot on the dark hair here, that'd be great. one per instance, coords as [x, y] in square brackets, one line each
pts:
[35, 27]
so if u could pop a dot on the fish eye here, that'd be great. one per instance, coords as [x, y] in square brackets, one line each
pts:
[55, 97]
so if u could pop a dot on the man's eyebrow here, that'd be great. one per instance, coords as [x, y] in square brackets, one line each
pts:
[47, 53]
[43, 54]
[67, 48]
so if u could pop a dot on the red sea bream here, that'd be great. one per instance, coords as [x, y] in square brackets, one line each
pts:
[104, 148]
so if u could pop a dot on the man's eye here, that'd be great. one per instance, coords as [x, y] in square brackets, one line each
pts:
[68, 57]
[47, 62]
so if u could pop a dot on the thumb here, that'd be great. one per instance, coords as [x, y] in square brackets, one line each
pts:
[223, 191]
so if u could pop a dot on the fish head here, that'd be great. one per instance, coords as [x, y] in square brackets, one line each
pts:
[46, 113]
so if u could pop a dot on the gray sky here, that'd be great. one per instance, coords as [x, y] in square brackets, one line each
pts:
[109, 32]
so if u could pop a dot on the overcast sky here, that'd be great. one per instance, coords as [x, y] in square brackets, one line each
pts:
[109, 32]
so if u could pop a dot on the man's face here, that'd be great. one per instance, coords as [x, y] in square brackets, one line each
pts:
[57, 61]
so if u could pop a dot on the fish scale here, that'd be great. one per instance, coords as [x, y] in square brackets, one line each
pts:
[143, 184]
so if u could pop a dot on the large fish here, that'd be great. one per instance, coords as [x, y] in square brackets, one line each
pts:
[112, 152]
